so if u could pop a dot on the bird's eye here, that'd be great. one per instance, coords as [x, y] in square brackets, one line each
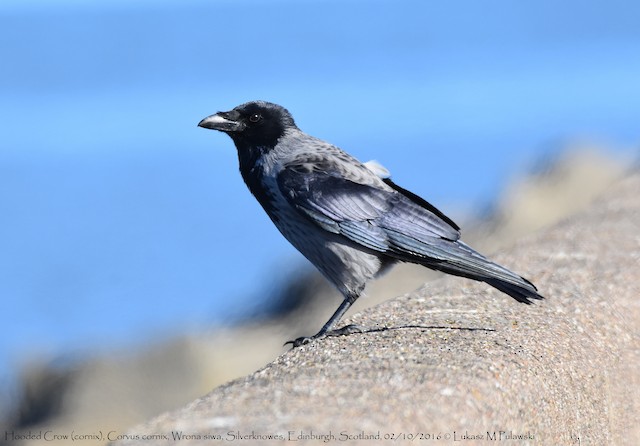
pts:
[255, 117]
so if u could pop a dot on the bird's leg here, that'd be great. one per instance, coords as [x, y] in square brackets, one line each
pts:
[327, 329]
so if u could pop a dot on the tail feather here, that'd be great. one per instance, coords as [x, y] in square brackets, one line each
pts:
[517, 287]
[521, 293]
[459, 259]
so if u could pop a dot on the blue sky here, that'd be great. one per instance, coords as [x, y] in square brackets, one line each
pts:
[123, 220]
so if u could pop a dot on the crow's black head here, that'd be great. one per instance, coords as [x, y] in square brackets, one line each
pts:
[253, 124]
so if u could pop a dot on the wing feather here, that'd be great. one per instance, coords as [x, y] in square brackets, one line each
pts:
[379, 218]
[353, 201]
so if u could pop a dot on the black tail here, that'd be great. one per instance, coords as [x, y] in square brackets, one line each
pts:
[459, 259]
[521, 293]
[515, 286]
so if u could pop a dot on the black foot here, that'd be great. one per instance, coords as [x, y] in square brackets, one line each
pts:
[301, 341]
[344, 331]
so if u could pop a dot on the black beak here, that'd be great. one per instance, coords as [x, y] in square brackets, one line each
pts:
[221, 121]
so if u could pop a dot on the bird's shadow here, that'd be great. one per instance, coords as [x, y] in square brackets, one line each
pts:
[421, 327]
[353, 329]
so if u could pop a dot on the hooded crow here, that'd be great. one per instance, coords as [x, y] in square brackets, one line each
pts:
[346, 217]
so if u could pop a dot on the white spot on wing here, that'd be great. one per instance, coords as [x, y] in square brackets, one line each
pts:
[378, 169]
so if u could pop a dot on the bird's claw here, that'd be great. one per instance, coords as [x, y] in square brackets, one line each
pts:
[344, 331]
[300, 341]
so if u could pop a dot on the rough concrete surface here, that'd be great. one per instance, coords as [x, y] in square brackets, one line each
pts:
[457, 359]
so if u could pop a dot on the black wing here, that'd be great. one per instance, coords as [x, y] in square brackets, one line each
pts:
[396, 222]
[379, 219]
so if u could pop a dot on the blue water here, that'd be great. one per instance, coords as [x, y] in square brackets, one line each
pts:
[121, 221]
